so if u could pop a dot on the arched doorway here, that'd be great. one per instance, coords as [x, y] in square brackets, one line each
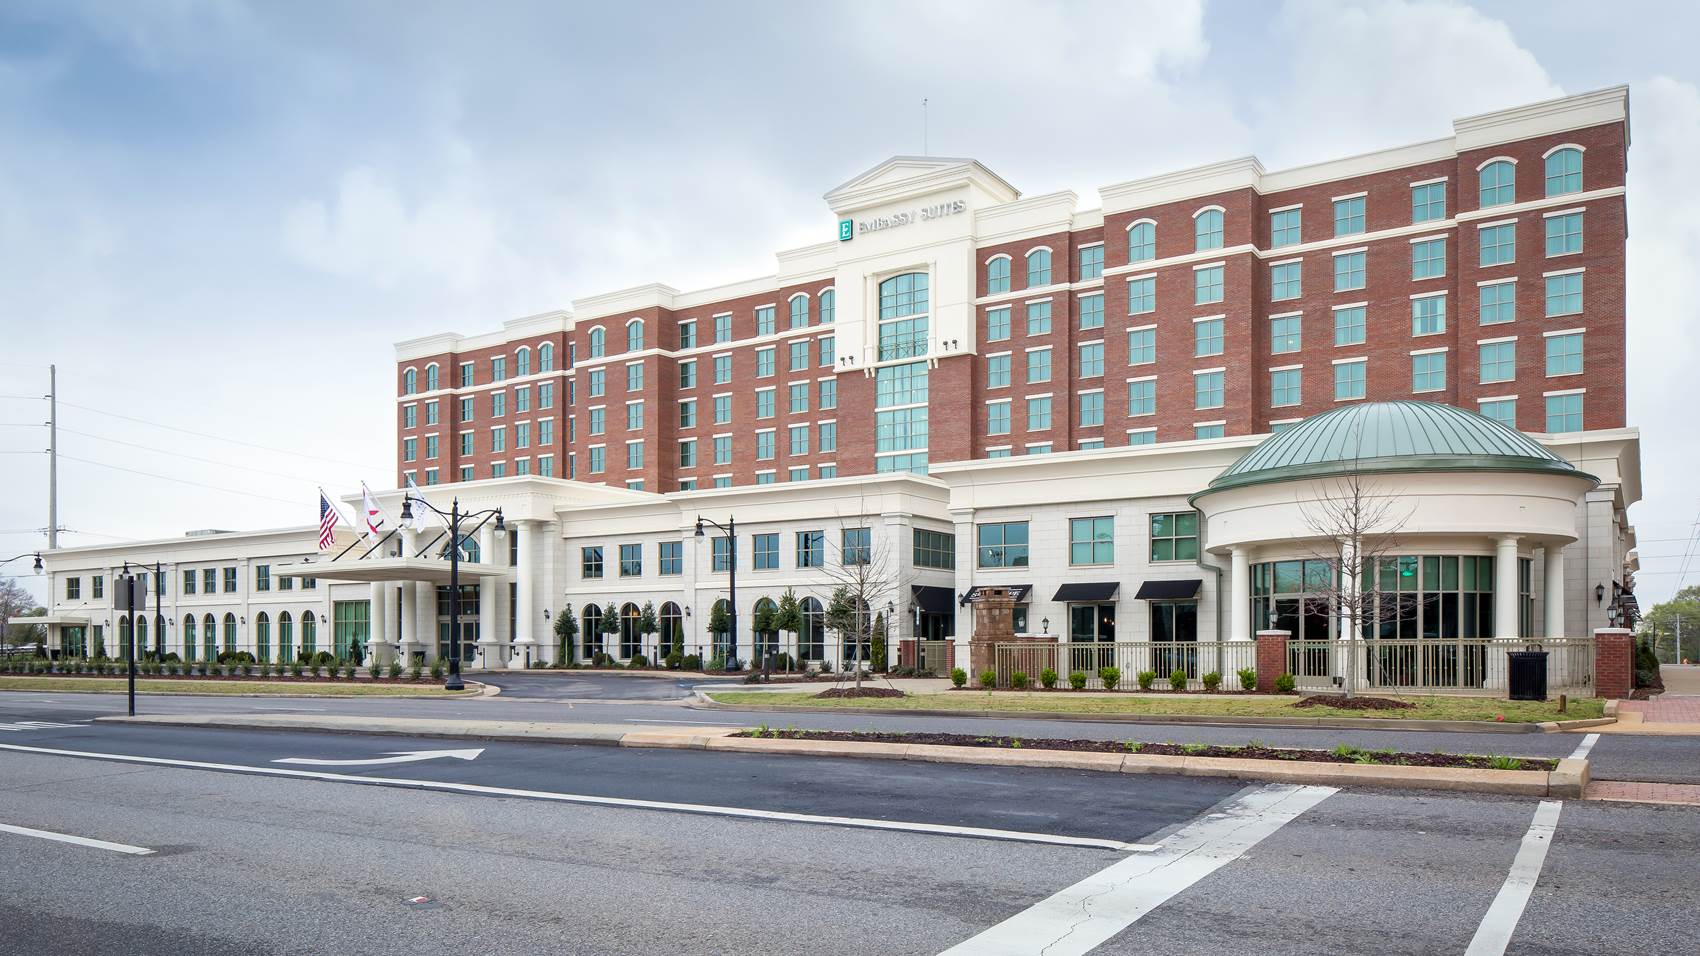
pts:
[285, 638]
[811, 641]
[263, 638]
[209, 638]
[590, 631]
[720, 638]
[672, 629]
[188, 637]
[764, 637]
[631, 642]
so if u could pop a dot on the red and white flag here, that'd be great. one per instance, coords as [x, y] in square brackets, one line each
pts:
[328, 518]
[374, 517]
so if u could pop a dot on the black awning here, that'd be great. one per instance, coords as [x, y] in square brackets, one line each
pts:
[1099, 591]
[1184, 589]
[1017, 593]
[931, 599]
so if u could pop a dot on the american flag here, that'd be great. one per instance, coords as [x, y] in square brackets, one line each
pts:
[328, 516]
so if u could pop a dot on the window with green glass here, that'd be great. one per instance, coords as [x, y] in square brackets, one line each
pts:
[1174, 536]
[1091, 541]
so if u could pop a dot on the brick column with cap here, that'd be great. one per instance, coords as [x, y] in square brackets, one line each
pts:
[994, 623]
[1271, 658]
[1614, 662]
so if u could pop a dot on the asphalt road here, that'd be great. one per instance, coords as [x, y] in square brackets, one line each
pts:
[253, 863]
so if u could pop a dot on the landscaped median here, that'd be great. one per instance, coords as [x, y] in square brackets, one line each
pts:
[224, 687]
[1342, 767]
[1235, 708]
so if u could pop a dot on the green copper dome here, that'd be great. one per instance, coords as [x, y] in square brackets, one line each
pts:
[1391, 437]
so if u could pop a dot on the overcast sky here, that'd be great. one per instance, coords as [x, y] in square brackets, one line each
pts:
[219, 216]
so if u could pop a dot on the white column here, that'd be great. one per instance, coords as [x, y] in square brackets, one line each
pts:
[377, 650]
[1505, 587]
[525, 570]
[1239, 591]
[489, 650]
[425, 618]
[1553, 590]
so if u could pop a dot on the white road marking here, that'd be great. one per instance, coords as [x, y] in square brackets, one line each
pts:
[1586, 745]
[79, 841]
[33, 725]
[1085, 915]
[1500, 921]
[706, 809]
[656, 720]
[396, 756]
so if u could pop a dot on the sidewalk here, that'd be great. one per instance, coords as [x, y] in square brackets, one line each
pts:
[1676, 712]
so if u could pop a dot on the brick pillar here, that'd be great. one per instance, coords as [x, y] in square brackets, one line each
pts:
[994, 623]
[906, 653]
[1271, 658]
[1614, 662]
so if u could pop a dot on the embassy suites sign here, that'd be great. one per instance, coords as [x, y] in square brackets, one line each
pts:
[850, 228]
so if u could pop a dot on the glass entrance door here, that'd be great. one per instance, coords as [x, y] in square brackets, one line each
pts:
[1091, 624]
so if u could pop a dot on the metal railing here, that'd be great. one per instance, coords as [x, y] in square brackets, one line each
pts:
[932, 657]
[1415, 666]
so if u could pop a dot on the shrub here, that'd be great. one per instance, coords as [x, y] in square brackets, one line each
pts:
[1145, 679]
[173, 658]
[1048, 678]
[1505, 763]
[394, 670]
[1285, 684]
[295, 669]
[1111, 676]
[245, 667]
[1077, 680]
[675, 660]
[349, 668]
[414, 672]
[692, 662]
[1018, 680]
[1177, 679]
[638, 660]
[1248, 678]
[437, 669]
[958, 677]
[988, 679]
[1212, 681]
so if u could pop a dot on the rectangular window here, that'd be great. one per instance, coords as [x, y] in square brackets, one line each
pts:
[1091, 409]
[1428, 202]
[546, 395]
[1428, 315]
[1564, 234]
[764, 321]
[1498, 303]
[1428, 372]
[1038, 366]
[522, 399]
[1564, 354]
[1174, 536]
[598, 423]
[722, 328]
[1091, 359]
[1142, 295]
[188, 583]
[827, 351]
[1349, 326]
[1349, 216]
[634, 416]
[410, 416]
[1091, 541]
[1039, 413]
[1284, 387]
[811, 548]
[1038, 318]
[634, 378]
[797, 398]
[720, 550]
[522, 434]
[1286, 281]
[1284, 228]
[764, 362]
[1285, 334]
[1141, 346]
[997, 371]
[935, 549]
[672, 558]
[1142, 397]
[468, 375]
[1207, 337]
[828, 440]
[1349, 271]
[546, 466]
[590, 562]
[997, 418]
[466, 409]
[828, 397]
[498, 368]
[723, 449]
[431, 446]
[1349, 380]
[799, 355]
[262, 577]
[1091, 262]
[1498, 361]
[764, 445]
[1564, 294]
[687, 335]
[498, 404]
[857, 547]
[722, 409]
[765, 403]
[1092, 309]
[1001, 545]
[997, 324]
[1499, 244]
[688, 453]
[1207, 390]
[799, 439]
[765, 548]
[800, 473]
[631, 560]
[598, 384]
[410, 449]
[1428, 259]
[1564, 413]
[598, 459]
[634, 454]
[1207, 285]
[1502, 410]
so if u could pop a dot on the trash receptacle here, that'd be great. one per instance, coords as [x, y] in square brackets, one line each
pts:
[1528, 675]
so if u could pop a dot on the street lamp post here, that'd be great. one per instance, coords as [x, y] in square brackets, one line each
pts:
[454, 516]
[730, 528]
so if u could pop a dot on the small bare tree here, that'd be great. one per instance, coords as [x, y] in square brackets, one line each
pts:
[862, 580]
[1355, 528]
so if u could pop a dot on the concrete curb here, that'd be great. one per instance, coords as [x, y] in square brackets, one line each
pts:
[1569, 780]
[1332, 723]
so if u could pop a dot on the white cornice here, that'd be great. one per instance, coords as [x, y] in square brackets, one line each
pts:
[904, 177]
[1035, 216]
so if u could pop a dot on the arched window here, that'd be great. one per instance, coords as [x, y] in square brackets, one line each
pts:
[230, 632]
[765, 637]
[263, 638]
[672, 628]
[800, 310]
[630, 641]
[188, 637]
[1564, 171]
[811, 641]
[722, 640]
[596, 340]
[634, 335]
[997, 275]
[432, 380]
[209, 637]
[1207, 227]
[590, 631]
[141, 636]
[123, 637]
[1038, 268]
[546, 357]
[1498, 183]
[522, 361]
[309, 633]
[1142, 241]
[410, 381]
[285, 639]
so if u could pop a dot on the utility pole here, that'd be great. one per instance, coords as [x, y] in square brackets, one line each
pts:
[52, 457]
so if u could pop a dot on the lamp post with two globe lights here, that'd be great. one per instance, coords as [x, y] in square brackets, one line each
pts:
[454, 516]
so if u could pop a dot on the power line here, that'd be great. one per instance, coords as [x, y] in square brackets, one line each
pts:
[177, 454]
[181, 481]
[233, 441]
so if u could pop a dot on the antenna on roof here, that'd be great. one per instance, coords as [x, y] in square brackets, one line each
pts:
[923, 126]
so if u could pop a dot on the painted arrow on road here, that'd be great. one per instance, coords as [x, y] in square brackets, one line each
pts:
[403, 756]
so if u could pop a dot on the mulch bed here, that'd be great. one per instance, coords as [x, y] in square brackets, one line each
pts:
[1354, 703]
[839, 693]
[1248, 752]
[305, 678]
